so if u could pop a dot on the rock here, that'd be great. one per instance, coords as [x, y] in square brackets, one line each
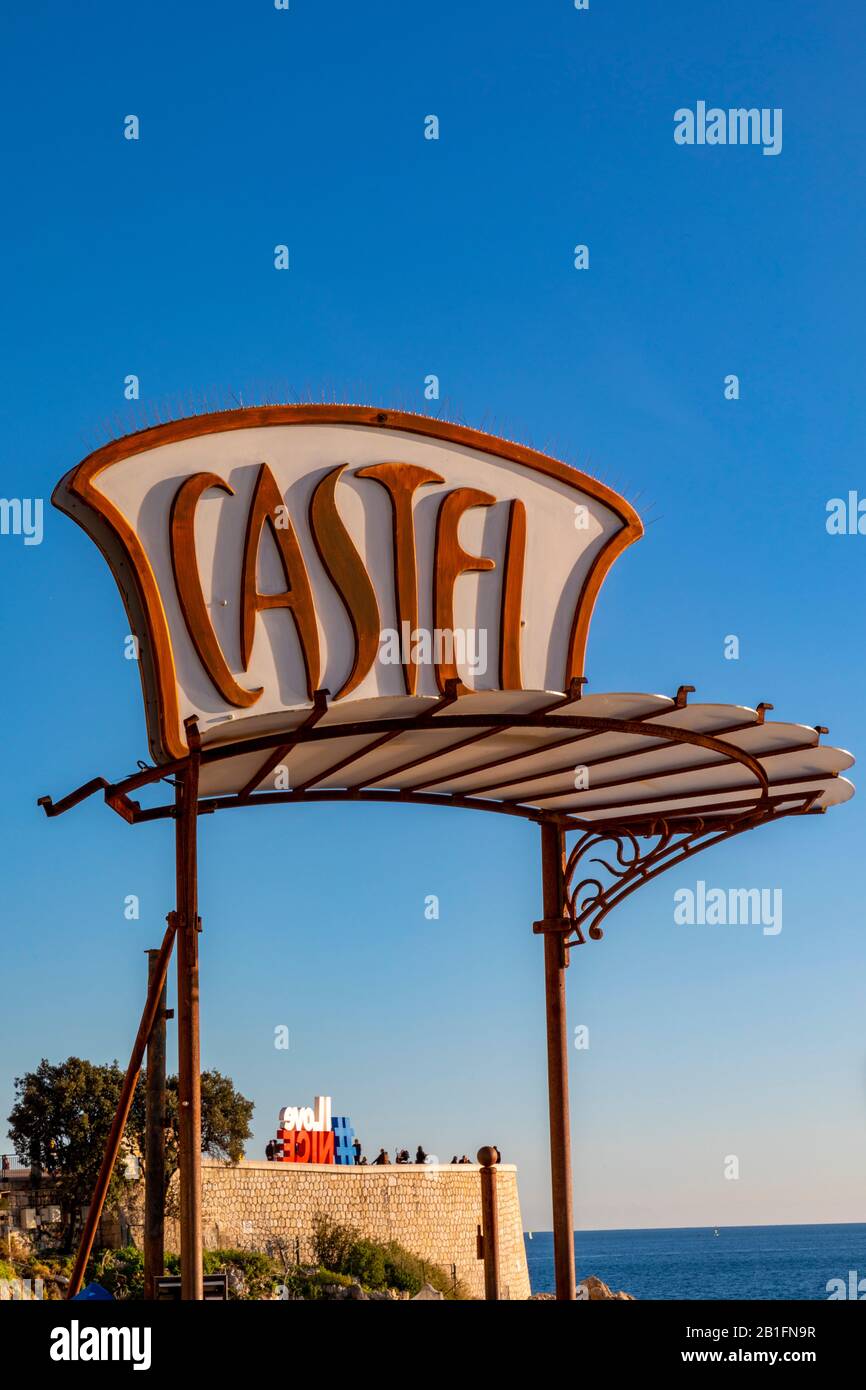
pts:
[589, 1290]
[593, 1289]
[427, 1291]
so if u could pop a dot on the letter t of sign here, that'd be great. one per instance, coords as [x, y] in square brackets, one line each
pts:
[400, 481]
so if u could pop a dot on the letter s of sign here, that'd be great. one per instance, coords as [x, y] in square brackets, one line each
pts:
[347, 574]
[189, 591]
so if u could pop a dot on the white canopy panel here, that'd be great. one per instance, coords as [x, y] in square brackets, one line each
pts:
[600, 758]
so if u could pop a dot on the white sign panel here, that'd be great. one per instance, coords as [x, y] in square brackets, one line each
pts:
[265, 554]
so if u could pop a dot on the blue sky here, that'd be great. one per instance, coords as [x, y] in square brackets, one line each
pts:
[455, 257]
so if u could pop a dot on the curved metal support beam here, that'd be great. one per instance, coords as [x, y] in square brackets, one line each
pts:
[311, 731]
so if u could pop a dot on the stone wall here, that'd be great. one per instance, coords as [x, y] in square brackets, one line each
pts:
[434, 1210]
[20, 1192]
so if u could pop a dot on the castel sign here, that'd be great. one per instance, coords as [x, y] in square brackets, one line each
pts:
[338, 603]
[268, 553]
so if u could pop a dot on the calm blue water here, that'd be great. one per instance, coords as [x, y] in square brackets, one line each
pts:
[740, 1262]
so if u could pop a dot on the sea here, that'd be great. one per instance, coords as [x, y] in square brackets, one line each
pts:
[779, 1262]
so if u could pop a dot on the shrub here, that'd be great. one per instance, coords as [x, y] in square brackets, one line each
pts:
[332, 1243]
[342, 1250]
[259, 1274]
[342, 1257]
[53, 1269]
[365, 1261]
[310, 1284]
[403, 1270]
[120, 1272]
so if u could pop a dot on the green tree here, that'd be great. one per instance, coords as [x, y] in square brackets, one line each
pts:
[60, 1122]
[63, 1113]
[225, 1121]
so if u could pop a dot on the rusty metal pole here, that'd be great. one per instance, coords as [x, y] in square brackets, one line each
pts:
[112, 1147]
[154, 1143]
[553, 868]
[188, 1045]
[488, 1158]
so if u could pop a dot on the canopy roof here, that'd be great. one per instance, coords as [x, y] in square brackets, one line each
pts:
[621, 760]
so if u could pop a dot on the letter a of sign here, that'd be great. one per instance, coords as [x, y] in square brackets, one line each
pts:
[297, 596]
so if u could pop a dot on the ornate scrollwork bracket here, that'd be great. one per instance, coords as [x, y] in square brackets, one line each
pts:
[638, 853]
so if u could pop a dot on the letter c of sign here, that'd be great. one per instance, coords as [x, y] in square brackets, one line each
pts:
[189, 590]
